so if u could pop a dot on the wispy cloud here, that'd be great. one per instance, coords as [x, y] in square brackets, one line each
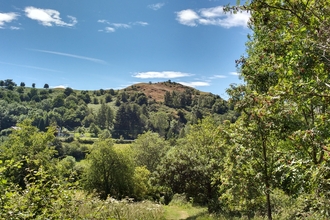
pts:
[195, 84]
[141, 23]
[7, 18]
[121, 25]
[14, 28]
[161, 75]
[112, 27]
[156, 6]
[31, 67]
[234, 73]
[71, 55]
[218, 77]
[48, 17]
[212, 16]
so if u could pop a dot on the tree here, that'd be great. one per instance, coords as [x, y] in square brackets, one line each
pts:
[160, 123]
[128, 121]
[168, 99]
[22, 84]
[110, 171]
[94, 129]
[31, 148]
[149, 149]
[46, 86]
[68, 91]
[33, 85]
[286, 95]
[108, 98]
[58, 101]
[191, 166]
[105, 117]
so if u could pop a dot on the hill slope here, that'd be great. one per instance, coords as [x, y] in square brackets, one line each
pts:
[156, 91]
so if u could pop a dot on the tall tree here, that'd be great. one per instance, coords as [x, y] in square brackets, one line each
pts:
[110, 171]
[191, 166]
[286, 73]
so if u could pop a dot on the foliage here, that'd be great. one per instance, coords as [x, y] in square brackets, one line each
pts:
[110, 171]
[31, 148]
[149, 148]
[190, 167]
[284, 105]
[142, 187]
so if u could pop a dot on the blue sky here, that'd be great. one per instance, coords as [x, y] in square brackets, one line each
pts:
[90, 45]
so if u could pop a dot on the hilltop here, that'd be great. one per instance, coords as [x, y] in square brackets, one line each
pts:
[156, 91]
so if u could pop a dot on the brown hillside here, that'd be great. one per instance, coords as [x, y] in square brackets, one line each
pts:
[157, 91]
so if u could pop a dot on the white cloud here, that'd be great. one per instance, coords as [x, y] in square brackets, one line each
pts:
[58, 87]
[109, 29]
[48, 17]
[114, 26]
[212, 16]
[156, 6]
[14, 28]
[120, 25]
[187, 17]
[160, 75]
[195, 84]
[142, 23]
[7, 17]
[71, 55]
[234, 73]
[218, 77]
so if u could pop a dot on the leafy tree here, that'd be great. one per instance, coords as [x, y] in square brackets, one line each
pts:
[111, 92]
[108, 98]
[105, 117]
[142, 99]
[94, 129]
[46, 86]
[168, 99]
[22, 84]
[29, 147]
[88, 120]
[192, 165]
[160, 123]
[68, 91]
[20, 89]
[58, 101]
[2, 83]
[285, 97]
[141, 182]
[110, 171]
[33, 85]
[149, 149]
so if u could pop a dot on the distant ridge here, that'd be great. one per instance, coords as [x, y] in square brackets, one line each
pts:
[157, 91]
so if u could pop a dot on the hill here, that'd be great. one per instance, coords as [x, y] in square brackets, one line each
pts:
[156, 91]
[164, 107]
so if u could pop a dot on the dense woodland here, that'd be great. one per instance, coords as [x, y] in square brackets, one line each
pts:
[263, 154]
